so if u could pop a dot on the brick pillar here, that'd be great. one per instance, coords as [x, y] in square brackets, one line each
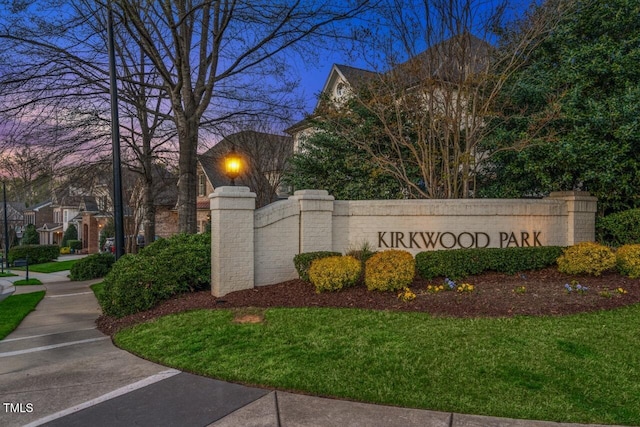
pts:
[316, 216]
[232, 247]
[581, 218]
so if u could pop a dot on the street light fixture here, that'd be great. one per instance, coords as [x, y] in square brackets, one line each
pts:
[232, 165]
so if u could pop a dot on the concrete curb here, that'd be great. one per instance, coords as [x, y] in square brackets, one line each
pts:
[6, 289]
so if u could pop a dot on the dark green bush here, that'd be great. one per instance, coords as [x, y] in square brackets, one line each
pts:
[75, 244]
[37, 253]
[31, 236]
[303, 261]
[161, 270]
[460, 263]
[70, 234]
[618, 229]
[92, 267]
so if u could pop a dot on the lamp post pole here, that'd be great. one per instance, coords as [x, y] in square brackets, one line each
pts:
[118, 221]
[6, 224]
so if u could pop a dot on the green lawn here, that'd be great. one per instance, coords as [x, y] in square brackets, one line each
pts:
[5, 274]
[50, 267]
[15, 308]
[98, 289]
[580, 369]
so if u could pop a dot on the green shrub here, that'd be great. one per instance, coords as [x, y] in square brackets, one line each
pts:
[334, 273]
[362, 254]
[389, 270]
[31, 236]
[460, 263]
[129, 287]
[37, 254]
[92, 267]
[586, 258]
[161, 270]
[455, 264]
[303, 261]
[628, 260]
[70, 234]
[622, 228]
[76, 245]
[513, 260]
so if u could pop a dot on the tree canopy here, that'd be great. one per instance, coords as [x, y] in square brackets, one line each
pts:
[328, 160]
[575, 108]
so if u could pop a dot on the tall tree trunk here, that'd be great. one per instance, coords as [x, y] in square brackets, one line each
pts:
[187, 182]
[148, 204]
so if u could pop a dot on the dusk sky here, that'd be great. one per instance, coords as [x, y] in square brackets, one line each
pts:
[313, 72]
[314, 75]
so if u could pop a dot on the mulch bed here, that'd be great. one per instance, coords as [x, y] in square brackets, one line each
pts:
[494, 295]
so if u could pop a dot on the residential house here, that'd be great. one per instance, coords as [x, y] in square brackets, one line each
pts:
[264, 161]
[165, 198]
[89, 222]
[431, 110]
[441, 64]
[343, 80]
[15, 221]
[65, 205]
[39, 214]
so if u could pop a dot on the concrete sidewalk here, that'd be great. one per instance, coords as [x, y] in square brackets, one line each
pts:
[56, 369]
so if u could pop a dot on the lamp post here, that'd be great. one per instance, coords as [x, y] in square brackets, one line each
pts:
[118, 216]
[232, 165]
[6, 225]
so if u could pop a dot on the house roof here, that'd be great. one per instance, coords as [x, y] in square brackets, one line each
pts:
[356, 77]
[38, 206]
[15, 210]
[445, 61]
[50, 226]
[245, 142]
[88, 204]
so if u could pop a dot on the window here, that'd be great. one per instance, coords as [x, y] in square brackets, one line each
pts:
[202, 185]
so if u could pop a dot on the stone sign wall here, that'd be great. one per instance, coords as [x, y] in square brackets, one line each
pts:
[253, 248]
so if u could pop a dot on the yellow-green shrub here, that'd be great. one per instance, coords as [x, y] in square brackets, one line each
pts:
[628, 260]
[65, 250]
[586, 258]
[334, 273]
[389, 270]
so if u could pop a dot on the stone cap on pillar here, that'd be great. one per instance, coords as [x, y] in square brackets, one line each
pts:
[314, 200]
[232, 197]
[581, 201]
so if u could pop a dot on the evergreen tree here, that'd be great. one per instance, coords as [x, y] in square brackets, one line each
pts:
[70, 234]
[328, 161]
[31, 236]
[575, 109]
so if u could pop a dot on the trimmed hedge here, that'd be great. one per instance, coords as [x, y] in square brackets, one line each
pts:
[389, 270]
[92, 267]
[628, 260]
[460, 263]
[334, 273]
[586, 258]
[161, 270]
[622, 228]
[76, 245]
[37, 254]
[303, 262]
